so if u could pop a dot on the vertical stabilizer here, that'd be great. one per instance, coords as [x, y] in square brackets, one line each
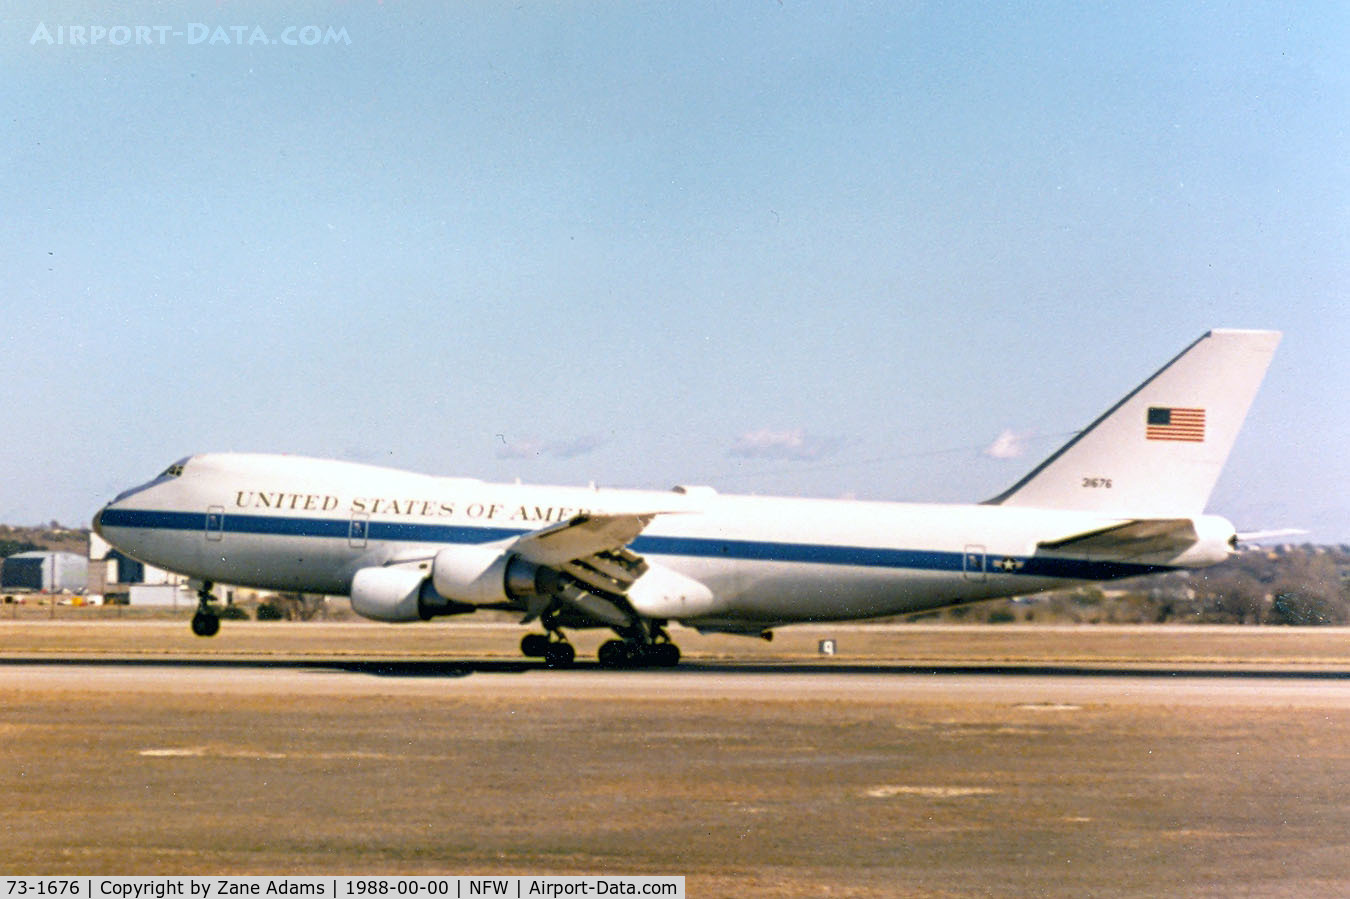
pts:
[1158, 452]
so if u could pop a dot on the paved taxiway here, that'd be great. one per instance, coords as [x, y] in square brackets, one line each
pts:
[860, 778]
[766, 682]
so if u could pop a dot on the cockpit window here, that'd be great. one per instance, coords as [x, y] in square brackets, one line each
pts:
[168, 474]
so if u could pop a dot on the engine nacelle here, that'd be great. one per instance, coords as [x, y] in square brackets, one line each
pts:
[399, 594]
[480, 576]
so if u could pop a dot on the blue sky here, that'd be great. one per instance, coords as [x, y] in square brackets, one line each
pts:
[813, 249]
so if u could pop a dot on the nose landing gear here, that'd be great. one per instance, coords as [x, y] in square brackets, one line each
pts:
[206, 622]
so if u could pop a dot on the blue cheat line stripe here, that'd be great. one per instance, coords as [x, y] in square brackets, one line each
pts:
[699, 547]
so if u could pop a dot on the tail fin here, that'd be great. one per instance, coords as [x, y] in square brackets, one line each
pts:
[1158, 452]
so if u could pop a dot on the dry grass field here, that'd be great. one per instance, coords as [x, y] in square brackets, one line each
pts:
[776, 777]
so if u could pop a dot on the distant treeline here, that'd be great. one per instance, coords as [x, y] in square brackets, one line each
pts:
[13, 547]
[52, 536]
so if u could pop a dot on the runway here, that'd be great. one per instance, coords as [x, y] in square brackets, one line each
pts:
[757, 682]
[796, 777]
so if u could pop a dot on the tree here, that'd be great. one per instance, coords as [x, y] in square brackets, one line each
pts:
[10, 547]
[1309, 591]
[1230, 593]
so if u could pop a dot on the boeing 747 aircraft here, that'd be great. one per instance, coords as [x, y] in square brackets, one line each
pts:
[1125, 497]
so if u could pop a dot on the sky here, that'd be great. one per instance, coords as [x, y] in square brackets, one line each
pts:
[894, 251]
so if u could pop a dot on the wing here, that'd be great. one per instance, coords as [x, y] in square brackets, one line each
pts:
[591, 548]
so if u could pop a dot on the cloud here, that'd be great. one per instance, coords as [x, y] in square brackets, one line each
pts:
[530, 448]
[1007, 445]
[577, 446]
[794, 444]
[517, 449]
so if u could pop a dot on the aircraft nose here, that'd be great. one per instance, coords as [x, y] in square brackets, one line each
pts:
[98, 520]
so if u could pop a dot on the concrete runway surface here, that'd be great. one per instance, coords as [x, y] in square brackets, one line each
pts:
[860, 779]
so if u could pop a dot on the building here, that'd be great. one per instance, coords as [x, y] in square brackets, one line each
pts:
[45, 572]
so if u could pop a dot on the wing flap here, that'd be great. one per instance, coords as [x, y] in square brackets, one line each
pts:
[623, 566]
[607, 571]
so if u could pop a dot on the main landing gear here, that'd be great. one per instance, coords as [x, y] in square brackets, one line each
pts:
[552, 647]
[644, 645]
[206, 622]
[639, 648]
[635, 654]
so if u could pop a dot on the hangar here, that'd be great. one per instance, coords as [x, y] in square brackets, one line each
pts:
[44, 571]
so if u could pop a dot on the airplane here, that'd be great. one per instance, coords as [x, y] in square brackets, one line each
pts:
[1126, 496]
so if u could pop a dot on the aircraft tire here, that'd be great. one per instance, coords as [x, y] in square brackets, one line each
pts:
[613, 654]
[205, 625]
[560, 655]
[534, 645]
[665, 655]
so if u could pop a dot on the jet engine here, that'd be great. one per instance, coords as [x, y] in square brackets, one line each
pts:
[400, 594]
[480, 576]
[465, 578]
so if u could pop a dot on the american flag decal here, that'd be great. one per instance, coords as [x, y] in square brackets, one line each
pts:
[1171, 423]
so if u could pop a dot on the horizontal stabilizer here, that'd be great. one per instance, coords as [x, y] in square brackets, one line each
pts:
[1133, 539]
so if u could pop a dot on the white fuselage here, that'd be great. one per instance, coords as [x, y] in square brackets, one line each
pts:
[308, 525]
